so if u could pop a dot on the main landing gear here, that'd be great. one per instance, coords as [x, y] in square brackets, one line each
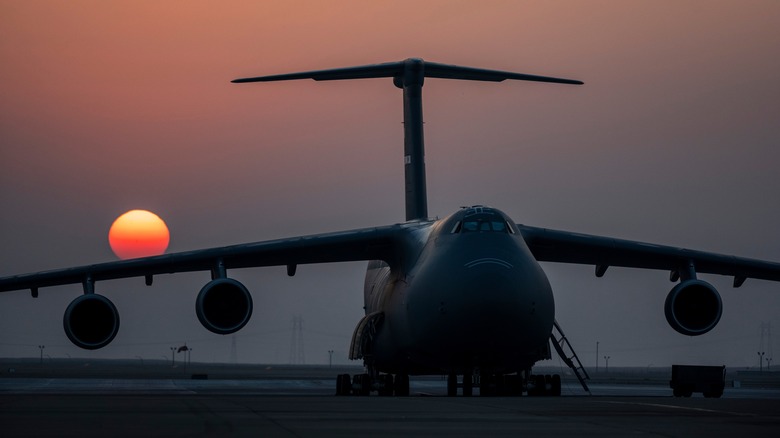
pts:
[505, 385]
[489, 385]
[362, 384]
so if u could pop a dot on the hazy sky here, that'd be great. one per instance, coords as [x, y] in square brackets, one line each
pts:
[110, 106]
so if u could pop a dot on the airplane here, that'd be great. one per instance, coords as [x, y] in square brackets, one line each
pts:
[463, 296]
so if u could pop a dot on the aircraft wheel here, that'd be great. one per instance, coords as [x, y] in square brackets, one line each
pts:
[513, 385]
[547, 384]
[501, 385]
[386, 385]
[556, 385]
[355, 384]
[468, 385]
[343, 384]
[452, 385]
[361, 384]
[537, 389]
[402, 385]
[485, 385]
[365, 384]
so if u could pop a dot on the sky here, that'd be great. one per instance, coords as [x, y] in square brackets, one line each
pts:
[111, 106]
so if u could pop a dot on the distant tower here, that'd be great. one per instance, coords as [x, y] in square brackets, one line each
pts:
[233, 350]
[296, 342]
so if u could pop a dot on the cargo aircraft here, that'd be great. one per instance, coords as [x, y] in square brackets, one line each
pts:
[462, 296]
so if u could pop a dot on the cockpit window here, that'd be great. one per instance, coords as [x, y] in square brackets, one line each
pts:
[484, 225]
[479, 219]
[481, 224]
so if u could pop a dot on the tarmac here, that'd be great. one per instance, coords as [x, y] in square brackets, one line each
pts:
[286, 403]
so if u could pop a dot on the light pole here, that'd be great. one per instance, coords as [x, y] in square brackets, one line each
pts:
[186, 351]
[173, 358]
[760, 361]
[330, 358]
[41, 347]
[597, 357]
[606, 360]
[768, 362]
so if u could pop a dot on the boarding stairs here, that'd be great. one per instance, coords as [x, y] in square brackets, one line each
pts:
[570, 358]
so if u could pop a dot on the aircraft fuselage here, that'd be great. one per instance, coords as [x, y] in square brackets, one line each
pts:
[468, 296]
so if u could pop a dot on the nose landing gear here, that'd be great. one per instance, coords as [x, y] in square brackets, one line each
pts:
[385, 385]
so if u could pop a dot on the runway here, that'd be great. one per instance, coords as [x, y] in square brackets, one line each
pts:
[306, 408]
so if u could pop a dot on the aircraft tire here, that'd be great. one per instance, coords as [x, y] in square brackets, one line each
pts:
[486, 385]
[365, 384]
[402, 385]
[538, 386]
[357, 384]
[556, 385]
[452, 385]
[340, 385]
[386, 385]
[512, 385]
[468, 385]
[346, 384]
[547, 384]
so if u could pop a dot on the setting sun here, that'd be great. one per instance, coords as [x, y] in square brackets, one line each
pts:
[138, 233]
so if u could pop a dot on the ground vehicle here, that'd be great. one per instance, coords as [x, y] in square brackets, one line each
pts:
[687, 379]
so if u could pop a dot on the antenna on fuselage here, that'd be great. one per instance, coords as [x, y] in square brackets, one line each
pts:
[409, 75]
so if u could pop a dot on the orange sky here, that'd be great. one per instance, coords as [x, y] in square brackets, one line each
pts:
[109, 106]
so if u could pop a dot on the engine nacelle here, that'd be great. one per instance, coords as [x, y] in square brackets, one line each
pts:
[224, 306]
[693, 307]
[91, 321]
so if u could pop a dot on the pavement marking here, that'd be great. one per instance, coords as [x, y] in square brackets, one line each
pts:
[685, 408]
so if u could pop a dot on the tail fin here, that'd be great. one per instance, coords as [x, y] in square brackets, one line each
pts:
[409, 75]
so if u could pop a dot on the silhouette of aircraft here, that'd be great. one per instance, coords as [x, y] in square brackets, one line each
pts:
[462, 296]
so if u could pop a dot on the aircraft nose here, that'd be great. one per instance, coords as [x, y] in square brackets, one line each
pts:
[491, 301]
[486, 288]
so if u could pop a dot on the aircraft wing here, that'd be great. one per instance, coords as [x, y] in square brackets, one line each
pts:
[363, 244]
[567, 247]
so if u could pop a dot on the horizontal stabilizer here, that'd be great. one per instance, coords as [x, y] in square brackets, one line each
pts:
[410, 75]
[444, 71]
[396, 69]
[385, 70]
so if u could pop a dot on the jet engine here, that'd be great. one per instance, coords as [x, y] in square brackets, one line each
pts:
[91, 321]
[693, 307]
[224, 306]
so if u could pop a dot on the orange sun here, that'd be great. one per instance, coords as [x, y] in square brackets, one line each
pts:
[138, 233]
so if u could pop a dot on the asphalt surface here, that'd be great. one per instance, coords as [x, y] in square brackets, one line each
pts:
[307, 408]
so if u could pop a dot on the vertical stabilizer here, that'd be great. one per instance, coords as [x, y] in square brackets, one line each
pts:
[409, 75]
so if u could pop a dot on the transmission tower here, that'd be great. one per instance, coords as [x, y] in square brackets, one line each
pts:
[296, 342]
